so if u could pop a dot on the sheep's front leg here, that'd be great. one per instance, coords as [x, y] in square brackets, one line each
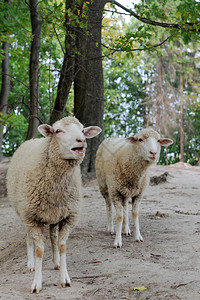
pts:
[54, 232]
[38, 238]
[125, 226]
[64, 276]
[65, 228]
[135, 213]
[119, 220]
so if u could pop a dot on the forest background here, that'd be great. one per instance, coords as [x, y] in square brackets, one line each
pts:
[83, 58]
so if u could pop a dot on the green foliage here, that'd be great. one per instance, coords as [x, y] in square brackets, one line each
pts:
[158, 21]
[137, 95]
[4, 118]
[15, 28]
[193, 135]
[124, 91]
[130, 76]
[16, 136]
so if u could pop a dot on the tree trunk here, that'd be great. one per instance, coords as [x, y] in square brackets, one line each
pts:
[67, 70]
[159, 96]
[145, 107]
[181, 117]
[88, 84]
[34, 69]
[5, 88]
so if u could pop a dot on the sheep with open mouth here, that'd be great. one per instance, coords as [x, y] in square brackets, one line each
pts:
[44, 186]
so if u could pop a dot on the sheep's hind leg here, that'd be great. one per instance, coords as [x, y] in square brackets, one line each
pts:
[135, 213]
[119, 219]
[54, 231]
[109, 211]
[30, 253]
[125, 226]
[109, 208]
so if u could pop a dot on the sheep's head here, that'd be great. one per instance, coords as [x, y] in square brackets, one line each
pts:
[70, 135]
[149, 144]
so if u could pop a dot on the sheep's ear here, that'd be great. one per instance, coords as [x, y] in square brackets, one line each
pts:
[131, 139]
[165, 142]
[91, 131]
[46, 130]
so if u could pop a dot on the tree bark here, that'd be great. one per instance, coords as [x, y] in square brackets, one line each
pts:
[5, 88]
[181, 117]
[34, 69]
[160, 95]
[67, 70]
[88, 83]
[145, 107]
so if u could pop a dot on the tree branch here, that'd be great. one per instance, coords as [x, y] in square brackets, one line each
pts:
[151, 22]
[16, 80]
[113, 50]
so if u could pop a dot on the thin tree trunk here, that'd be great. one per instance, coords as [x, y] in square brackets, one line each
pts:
[67, 70]
[88, 84]
[159, 96]
[144, 109]
[5, 88]
[34, 69]
[181, 117]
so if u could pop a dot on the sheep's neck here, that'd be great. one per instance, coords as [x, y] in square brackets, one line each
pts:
[60, 166]
[135, 167]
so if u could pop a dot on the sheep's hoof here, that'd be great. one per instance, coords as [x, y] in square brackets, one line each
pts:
[139, 241]
[111, 232]
[37, 291]
[31, 270]
[64, 285]
[57, 268]
[117, 246]
[127, 233]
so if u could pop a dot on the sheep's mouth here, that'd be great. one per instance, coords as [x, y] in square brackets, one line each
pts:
[152, 158]
[80, 151]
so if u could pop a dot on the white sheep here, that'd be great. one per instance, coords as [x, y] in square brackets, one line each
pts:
[121, 169]
[44, 186]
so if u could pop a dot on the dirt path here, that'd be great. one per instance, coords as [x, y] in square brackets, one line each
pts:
[167, 264]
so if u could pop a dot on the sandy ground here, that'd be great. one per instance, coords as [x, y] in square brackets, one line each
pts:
[167, 264]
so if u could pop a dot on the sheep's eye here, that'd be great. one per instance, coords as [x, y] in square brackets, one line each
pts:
[58, 131]
[140, 140]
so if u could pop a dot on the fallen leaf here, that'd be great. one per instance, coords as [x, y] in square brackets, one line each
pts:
[139, 288]
[95, 262]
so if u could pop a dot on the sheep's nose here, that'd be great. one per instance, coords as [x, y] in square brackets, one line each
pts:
[153, 153]
[80, 140]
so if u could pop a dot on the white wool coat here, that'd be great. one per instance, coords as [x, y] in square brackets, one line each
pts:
[121, 168]
[42, 187]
